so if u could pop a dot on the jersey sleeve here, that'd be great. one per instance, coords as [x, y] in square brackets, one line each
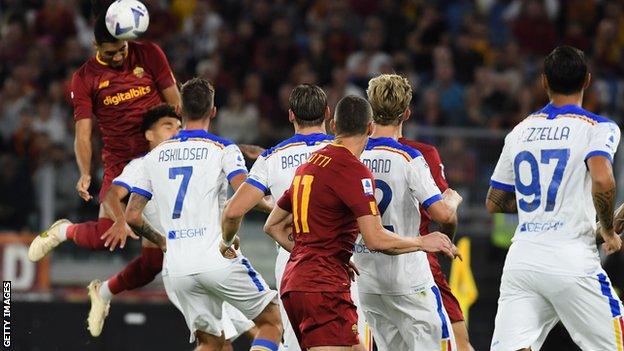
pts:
[81, 97]
[127, 178]
[259, 175]
[285, 202]
[233, 162]
[357, 190]
[604, 140]
[159, 66]
[437, 168]
[421, 183]
[143, 184]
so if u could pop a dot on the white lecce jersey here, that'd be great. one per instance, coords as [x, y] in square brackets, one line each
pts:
[186, 179]
[274, 170]
[403, 182]
[543, 162]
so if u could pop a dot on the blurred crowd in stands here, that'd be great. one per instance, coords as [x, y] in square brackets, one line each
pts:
[474, 64]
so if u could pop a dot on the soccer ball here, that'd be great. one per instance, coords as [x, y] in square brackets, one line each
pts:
[127, 19]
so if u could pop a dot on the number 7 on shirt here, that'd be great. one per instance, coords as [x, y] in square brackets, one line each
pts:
[186, 173]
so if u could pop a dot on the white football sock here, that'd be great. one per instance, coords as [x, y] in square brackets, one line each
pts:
[63, 231]
[105, 292]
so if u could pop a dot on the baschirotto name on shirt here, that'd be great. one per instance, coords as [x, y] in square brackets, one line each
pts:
[130, 94]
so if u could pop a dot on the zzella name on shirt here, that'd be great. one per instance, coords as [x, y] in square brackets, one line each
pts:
[545, 133]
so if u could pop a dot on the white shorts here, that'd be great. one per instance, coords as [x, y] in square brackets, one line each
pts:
[201, 295]
[290, 342]
[531, 303]
[234, 322]
[409, 322]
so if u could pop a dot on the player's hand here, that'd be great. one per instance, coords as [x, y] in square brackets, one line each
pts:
[227, 251]
[612, 244]
[439, 242]
[117, 235]
[353, 270]
[83, 187]
[251, 151]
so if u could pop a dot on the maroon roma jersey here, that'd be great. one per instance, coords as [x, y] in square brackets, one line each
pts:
[326, 197]
[431, 155]
[118, 97]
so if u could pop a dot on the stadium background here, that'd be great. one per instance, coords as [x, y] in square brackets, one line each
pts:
[474, 66]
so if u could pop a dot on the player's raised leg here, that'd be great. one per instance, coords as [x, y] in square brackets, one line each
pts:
[85, 235]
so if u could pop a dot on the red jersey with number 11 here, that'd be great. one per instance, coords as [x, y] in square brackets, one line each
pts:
[326, 197]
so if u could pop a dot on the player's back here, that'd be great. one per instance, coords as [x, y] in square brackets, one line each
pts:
[394, 165]
[543, 161]
[324, 225]
[187, 176]
[274, 170]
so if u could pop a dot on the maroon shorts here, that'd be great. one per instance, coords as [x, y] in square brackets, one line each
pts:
[322, 318]
[110, 172]
[451, 305]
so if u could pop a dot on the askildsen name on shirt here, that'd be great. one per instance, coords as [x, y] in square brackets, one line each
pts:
[186, 154]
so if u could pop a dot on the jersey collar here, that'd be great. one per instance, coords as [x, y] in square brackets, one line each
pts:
[191, 133]
[99, 60]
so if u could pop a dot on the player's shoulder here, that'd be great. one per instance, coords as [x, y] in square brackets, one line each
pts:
[135, 162]
[390, 145]
[88, 69]
[424, 148]
[551, 111]
[298, 140]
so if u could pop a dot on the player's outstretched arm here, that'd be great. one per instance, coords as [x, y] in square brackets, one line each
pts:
[603, 194]
[279, 227]
[378, 238]
[134, 216]
[500, 201]
[119, 231]
[172, 96]
[84, 151]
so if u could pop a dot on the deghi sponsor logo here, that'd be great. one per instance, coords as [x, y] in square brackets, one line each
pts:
[127, 95]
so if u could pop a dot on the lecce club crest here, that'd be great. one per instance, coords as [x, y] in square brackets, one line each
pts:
[138, 71]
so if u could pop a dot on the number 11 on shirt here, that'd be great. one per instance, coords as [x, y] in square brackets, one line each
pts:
[301, 202]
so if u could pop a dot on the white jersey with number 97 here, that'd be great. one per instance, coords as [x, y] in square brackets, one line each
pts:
[187, 176]
[543, 162]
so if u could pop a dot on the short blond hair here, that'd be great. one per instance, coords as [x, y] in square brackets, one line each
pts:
[389, 96]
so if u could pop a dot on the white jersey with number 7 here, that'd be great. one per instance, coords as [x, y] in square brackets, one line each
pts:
[187, 176]
[543, 162]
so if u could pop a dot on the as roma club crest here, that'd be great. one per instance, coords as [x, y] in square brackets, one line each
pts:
[138, 71]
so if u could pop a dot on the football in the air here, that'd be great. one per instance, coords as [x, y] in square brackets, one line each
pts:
[127, 19]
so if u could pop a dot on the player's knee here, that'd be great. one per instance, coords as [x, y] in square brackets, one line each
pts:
[270, 317]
